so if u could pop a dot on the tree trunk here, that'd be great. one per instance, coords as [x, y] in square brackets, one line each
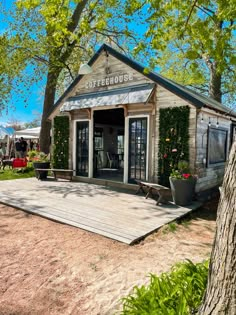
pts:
[220, 296]
[58, 56]
[215, 84]
[49, 98]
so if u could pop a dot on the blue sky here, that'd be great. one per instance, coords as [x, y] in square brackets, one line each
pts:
[17, 111]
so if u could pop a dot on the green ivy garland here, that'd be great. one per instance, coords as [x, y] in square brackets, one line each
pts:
[173, 141]
[61, 142]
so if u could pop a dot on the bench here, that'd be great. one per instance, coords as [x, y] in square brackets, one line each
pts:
[162, 192]
[57, 173]
[6, 162]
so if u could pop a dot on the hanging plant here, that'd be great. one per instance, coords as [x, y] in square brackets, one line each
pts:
[174, 140]
[61, 142]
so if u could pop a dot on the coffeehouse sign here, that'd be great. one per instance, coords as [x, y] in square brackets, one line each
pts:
[116, 79]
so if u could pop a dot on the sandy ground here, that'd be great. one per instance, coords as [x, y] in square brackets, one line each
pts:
[50, 268]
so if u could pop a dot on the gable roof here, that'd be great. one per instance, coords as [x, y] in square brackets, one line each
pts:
[196, 99]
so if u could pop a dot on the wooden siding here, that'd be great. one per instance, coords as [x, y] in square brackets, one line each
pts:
[161, 98]
[209, 175]
[80, 114]
[116, 68]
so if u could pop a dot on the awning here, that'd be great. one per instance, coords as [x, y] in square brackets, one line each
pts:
[129, 95]
[30, 133]
[6, 131]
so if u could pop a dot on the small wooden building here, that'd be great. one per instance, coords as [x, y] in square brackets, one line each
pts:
[127, 123]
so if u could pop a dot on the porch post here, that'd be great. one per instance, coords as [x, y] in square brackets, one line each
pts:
[126, 151]
[90, 170]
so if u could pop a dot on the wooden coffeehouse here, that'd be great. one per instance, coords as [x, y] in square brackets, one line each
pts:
[122, 123]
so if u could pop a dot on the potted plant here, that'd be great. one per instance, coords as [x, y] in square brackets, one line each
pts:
[182, 183]
[40, 160]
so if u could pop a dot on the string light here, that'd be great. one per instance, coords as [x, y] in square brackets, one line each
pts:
[211, 119]
[202, 119]
[209, 124]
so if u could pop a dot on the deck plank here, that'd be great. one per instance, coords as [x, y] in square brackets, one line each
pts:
[111, 213]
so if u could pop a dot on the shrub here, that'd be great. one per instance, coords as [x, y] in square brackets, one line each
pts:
[177, 292]
[37, 156]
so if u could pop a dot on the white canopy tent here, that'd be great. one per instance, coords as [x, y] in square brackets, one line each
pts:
[30, 133]
[6, 133]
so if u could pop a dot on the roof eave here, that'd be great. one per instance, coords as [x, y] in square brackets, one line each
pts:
[150, 75]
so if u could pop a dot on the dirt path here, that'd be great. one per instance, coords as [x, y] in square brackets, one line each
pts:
[47, 268]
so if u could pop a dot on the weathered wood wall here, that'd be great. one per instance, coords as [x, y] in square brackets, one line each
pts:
[209, 175]
[116, 68]
[162, 98]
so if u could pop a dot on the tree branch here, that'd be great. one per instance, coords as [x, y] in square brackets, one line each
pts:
[41, 59]
[204, 11]
[76, 15]
[190, 13]
[33, 56]
[209, 10]
[68, 68]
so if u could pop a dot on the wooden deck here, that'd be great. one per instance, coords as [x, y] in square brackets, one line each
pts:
[121, 216]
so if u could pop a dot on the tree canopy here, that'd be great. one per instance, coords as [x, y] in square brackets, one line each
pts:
[194, 43]
[191, 42]
[49, 39]
[59, 33]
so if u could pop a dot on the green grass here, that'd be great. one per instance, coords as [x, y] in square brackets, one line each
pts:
[170, 228]
[185, 223]
[7, 173]
[177, 292]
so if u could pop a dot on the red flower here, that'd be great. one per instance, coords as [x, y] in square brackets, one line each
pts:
[186, 176]
[165, 156]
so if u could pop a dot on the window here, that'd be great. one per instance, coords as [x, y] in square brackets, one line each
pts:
[98, 139]
[82, 152]
[120, 141]
[217, 145]
[233, 133]
[137, 148]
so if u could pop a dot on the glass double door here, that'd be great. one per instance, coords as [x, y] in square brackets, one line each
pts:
[137, 149]
[82, 148]
[137, 157]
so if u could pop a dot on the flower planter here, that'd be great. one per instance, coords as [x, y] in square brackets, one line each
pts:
[182, 190]
[41, 174]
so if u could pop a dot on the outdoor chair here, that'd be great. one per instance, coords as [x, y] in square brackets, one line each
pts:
[112, 160]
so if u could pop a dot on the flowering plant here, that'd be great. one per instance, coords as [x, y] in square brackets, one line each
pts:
[37, 156]
[183, 172]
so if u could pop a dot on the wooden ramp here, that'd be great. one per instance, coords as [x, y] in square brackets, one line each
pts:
[121, 216]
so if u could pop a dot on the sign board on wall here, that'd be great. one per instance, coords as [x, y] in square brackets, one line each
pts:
[112, 80]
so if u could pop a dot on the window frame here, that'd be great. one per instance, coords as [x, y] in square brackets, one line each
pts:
[226, 134]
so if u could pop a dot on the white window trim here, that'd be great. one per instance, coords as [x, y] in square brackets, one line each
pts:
[75, 143]
[126, 151]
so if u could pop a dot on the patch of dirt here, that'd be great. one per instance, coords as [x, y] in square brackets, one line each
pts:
[47, 268]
